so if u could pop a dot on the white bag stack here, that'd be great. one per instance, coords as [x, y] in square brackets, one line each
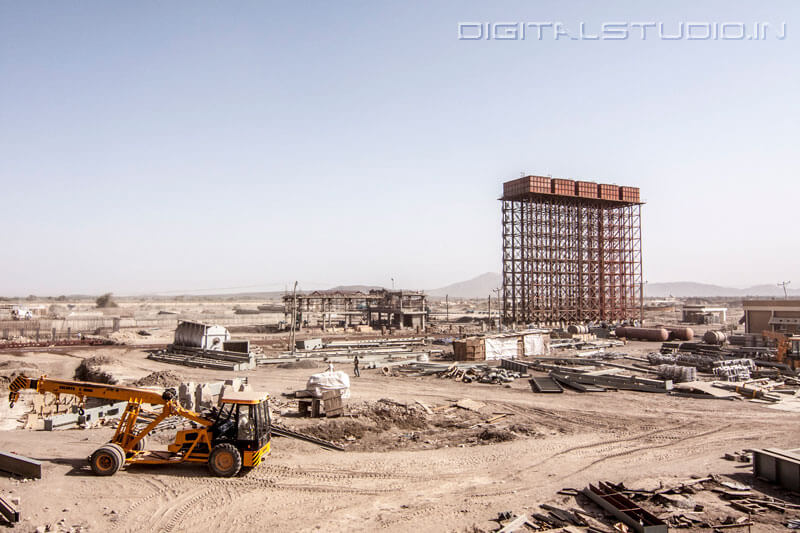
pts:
[323, 381]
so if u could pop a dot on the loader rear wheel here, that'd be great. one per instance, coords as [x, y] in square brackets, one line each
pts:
[119, 451]
[225, 460]
[105, 461]
[141, 445]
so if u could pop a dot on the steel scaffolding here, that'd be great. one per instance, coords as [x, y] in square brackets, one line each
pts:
[568, 259]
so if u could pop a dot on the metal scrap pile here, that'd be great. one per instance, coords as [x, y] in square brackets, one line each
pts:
[660, 359]
[484, 374]
[677, 373]
[734, 369]
[466, 373]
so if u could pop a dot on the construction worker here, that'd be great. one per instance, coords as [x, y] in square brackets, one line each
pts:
[356, 371]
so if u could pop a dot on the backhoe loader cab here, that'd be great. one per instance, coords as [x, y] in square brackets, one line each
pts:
[239, 435]
[243, 421]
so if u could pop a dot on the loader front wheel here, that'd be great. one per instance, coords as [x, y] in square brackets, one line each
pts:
[225, 460]
[104, 461]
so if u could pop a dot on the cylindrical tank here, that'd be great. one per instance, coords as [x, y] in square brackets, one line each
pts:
[577, 329]
[680, 333]
[714, 337]
[645, 334]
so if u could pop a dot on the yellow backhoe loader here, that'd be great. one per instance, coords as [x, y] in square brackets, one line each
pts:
[787, 348]
[234, 436]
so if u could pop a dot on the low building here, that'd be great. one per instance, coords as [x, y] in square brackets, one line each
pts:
[772, 315]
[703, 314]
[529, 343]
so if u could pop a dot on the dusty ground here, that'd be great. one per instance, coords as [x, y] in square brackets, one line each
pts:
[408, 471]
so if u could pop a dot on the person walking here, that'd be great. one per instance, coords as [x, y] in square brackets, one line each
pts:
[356, 371]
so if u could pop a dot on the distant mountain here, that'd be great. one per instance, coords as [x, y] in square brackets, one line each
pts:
[483, 285]
[480, 287]
[686, 289]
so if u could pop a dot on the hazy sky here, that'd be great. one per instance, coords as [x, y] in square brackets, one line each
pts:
[170, 146]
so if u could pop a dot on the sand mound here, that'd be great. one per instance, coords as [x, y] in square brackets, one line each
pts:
[165, 378]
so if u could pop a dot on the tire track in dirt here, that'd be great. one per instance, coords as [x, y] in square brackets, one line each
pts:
[594, 445]
[673, 442]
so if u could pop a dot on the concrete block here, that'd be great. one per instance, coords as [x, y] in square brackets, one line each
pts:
[204, 397]
[186, 395]
[215, 388]
[20, 465]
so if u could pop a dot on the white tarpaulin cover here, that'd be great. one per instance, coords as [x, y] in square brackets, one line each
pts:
[534, 344]
[500, 348]
[329, 381]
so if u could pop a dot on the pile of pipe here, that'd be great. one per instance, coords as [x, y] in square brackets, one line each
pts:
[660, 359]
[677, 373]
[480, 374]
[497, 375]
[703, 362]
[734, 369]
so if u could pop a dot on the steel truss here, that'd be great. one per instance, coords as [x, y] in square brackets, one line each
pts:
[571, 260]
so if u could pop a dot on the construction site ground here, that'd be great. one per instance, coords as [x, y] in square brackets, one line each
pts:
[404, 469]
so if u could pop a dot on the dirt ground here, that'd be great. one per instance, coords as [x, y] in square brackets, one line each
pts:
[404, 469]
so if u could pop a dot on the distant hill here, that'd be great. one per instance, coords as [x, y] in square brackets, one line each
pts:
[482, 286]
[686, 289]
[479, 287]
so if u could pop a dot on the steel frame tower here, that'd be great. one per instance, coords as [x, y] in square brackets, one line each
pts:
[570, 258]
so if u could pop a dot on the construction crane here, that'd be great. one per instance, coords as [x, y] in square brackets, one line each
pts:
[788, 347]
[236, 435]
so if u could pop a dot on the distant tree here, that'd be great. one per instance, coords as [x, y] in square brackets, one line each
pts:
[31, 297]
[105, 301]
[61, 298]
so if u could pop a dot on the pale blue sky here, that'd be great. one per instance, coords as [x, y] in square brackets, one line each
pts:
[152, 146]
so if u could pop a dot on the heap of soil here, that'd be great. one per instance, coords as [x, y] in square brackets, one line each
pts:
[91, 369]
[163, 378]
[386, 425]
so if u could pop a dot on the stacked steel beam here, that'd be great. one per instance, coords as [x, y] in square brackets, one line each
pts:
[571, 251]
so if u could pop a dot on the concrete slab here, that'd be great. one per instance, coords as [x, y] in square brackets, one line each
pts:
[20, 465]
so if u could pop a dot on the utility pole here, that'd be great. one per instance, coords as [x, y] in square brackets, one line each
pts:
[490, 312]
[500, 318]
[784, 284]
[292, 343]
[447, 307]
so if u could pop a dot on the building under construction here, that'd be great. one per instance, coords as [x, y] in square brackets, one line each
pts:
[572, 251]
[378, 308]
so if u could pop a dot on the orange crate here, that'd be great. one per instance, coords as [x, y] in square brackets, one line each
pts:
[629, 194]
[608, 192]
[539, 184]
[563, 187]
[586, 189]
